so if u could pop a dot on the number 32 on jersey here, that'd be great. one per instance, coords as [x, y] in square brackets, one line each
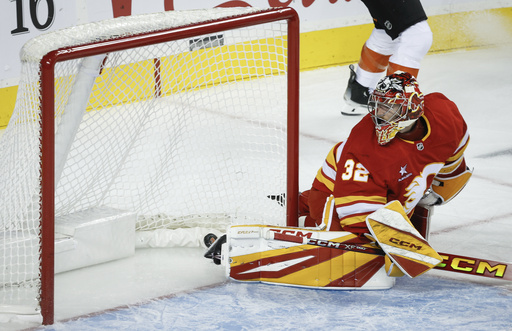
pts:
[355, 171]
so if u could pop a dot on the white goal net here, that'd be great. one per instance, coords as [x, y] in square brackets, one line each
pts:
[193, 131]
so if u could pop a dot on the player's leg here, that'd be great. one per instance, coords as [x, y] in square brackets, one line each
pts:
[372, 65]
[285, 255]
[412, 46]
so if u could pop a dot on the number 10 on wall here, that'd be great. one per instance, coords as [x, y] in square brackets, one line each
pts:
[42, 14]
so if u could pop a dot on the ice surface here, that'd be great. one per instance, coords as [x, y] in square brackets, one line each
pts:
[426, 303]
[191, 291]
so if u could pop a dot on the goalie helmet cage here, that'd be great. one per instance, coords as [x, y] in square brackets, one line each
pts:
[141, 62]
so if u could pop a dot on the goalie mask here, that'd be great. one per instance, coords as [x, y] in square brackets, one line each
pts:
[396, 103]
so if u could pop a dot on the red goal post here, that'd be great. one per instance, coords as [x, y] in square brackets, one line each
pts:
[50, 82]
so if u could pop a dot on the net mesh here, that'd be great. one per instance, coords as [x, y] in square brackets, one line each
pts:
[186, 133]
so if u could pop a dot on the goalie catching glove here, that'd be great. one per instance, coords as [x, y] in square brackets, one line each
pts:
[452, 178]
[407, 252]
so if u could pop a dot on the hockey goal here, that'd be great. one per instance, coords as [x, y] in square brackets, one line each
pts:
[182, 119]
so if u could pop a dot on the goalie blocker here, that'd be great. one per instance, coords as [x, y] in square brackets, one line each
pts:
[327, 259]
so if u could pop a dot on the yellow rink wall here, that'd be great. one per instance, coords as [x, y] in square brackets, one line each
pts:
[341, 46]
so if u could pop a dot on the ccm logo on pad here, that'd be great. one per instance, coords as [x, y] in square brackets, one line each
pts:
[404, 243]
[293, 233]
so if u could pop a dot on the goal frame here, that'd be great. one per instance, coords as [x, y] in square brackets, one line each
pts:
[47, 105]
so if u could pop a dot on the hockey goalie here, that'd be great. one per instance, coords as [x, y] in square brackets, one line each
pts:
[365, 219]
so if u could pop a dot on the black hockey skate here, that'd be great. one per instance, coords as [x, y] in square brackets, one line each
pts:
[214, 249]
[356, 96]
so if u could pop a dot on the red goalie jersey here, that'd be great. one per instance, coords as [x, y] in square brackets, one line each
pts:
[361, 176]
